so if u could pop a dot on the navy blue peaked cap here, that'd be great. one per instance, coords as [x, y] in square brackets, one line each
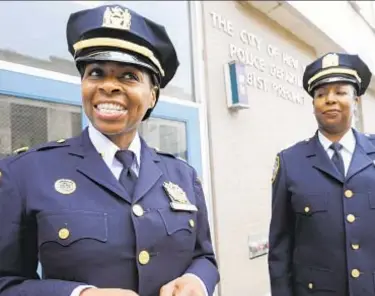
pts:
[116, 33]
[334, 68]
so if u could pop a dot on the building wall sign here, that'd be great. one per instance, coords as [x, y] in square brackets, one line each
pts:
[235, 86]
[267, 67]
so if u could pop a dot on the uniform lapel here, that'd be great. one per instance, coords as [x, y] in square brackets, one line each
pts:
[320, 160]
[93, 167]
[361, 159]
[149, 172]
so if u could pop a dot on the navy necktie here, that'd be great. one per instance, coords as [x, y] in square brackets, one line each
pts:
[127, 178]
[337, 157]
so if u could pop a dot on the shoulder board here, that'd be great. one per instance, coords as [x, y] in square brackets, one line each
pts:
[305, 141]
[171, 155]
[180, 158]
[296, 144]
[21, 150]
[370, 136]
[164, 153]
[43, 146]
[52, 145]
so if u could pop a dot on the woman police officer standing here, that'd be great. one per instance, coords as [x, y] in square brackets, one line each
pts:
[105, 214]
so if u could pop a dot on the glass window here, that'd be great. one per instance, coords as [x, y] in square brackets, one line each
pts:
[358, 116]
[26, 122]
[36, 35]
[165, 135]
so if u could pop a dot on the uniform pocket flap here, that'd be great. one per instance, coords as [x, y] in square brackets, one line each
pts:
[314, 279]
[67, 228]
[175, 221]
[310, 204]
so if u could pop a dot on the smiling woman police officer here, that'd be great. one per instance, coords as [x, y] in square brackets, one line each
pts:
[105, 214]
[323, 193]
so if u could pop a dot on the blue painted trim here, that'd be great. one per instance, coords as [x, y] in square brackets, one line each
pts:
[44, 89]
[39, 88]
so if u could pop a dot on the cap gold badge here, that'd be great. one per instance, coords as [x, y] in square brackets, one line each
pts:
[65, 186]
[276, 168]
[330, 60]
[178, 197]
[117, 18]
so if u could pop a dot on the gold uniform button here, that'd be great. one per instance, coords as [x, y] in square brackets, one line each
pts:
[191, 223]
[355, 273]
[1, 174]
[64, 233]
[144, 257]
[350, 218]
[311, 286]
[138, 210]
[307, 209]
[355, 246]
[348, 193]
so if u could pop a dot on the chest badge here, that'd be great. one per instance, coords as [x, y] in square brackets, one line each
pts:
[178, 197]
[65, 186]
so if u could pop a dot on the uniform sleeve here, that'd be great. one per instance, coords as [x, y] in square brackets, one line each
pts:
[18, 246]
[281, 234]
[204, 263]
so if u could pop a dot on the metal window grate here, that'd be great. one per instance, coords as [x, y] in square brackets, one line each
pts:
[26, 122]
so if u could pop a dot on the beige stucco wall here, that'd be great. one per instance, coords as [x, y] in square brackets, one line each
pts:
[243, 144]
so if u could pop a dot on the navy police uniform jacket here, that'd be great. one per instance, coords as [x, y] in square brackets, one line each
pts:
[322, 231]
[93, 234]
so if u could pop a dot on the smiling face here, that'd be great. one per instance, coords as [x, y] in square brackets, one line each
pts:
[116, 97]
[334, 106]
